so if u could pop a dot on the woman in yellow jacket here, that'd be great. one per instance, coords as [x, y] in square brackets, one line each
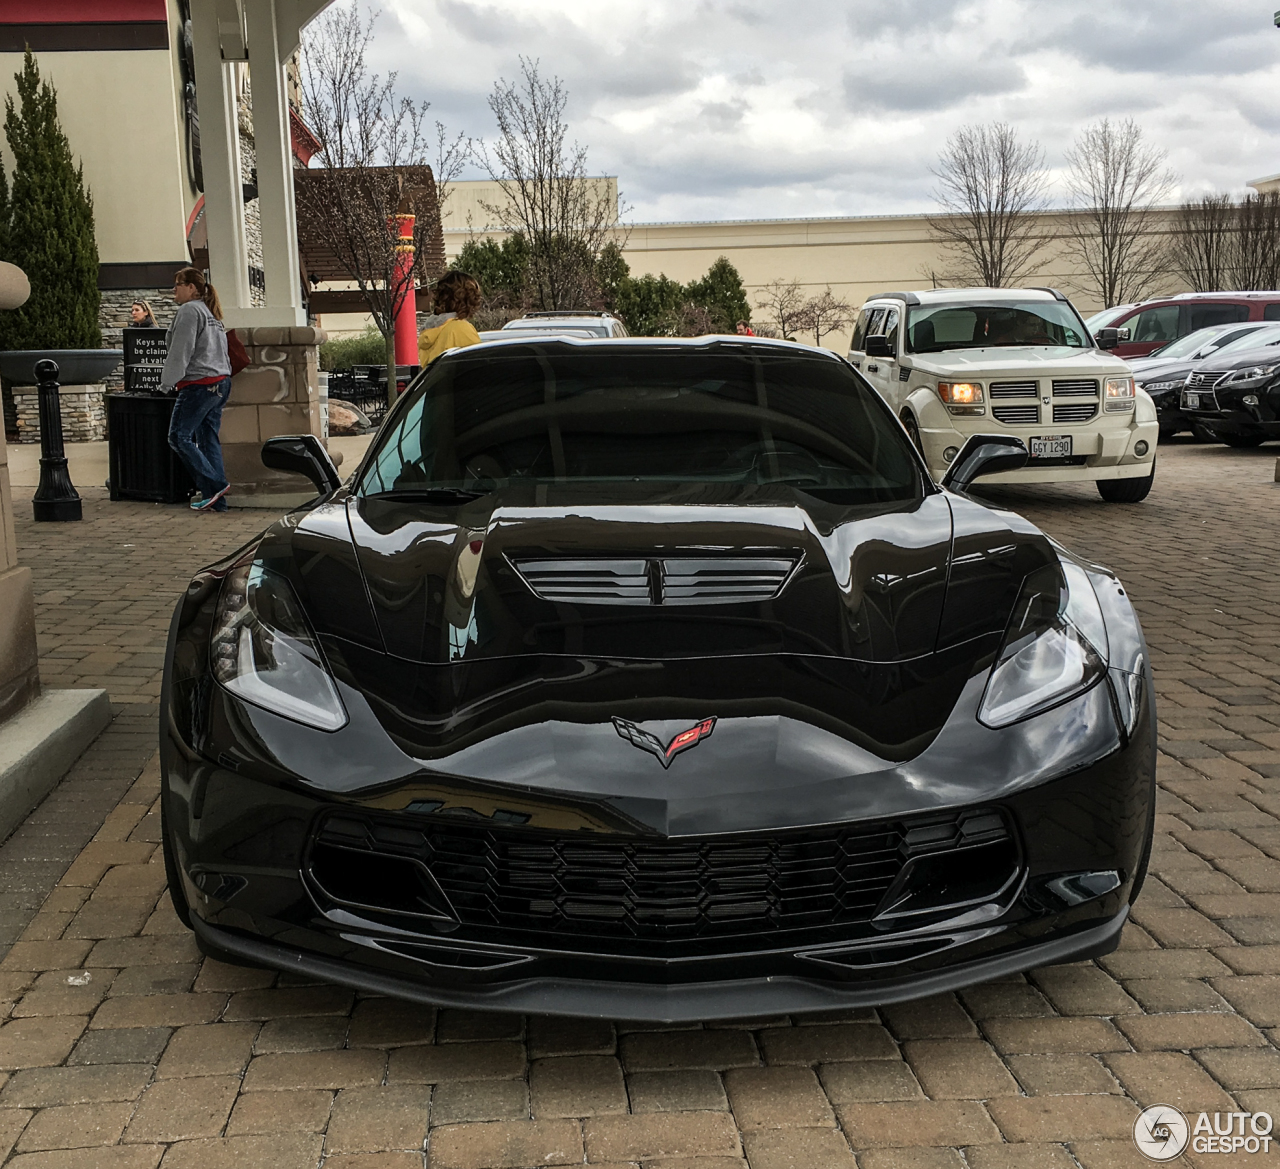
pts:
[457, 296]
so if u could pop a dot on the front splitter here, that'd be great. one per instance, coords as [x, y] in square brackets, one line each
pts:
[685, 1003]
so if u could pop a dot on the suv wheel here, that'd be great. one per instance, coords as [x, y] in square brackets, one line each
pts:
[1127, 490]
[913, 430]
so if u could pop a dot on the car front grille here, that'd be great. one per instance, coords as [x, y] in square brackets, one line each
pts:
[1075, 387]
[675, 580]
[1074, 411]
[1016, 415]
[505, 881]
[1203, 379]
[1013, 389]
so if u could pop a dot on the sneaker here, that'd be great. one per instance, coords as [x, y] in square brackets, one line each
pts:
[195, 502]
[207, 504]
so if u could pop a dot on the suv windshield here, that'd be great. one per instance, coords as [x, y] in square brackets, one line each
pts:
[1208, 339]
[936, 327]
[1101, 320]
[632, 417]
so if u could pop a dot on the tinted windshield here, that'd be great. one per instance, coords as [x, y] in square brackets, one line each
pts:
[1200, 339]
[937, 327]
[1257, 339]
[549, 415]
[1105, 317]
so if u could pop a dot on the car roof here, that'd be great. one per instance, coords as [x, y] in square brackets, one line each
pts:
[1194, 297]
[952, 295]
[550, 322]
[720, 342]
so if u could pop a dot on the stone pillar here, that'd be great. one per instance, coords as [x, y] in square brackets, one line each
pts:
[278, 393]
[84, 413]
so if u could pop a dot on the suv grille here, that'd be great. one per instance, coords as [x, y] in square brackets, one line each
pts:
[1075, 387]
[1074, 411]
[624, 887]
[1014, 389]
[677, 580]
[1202, 379]
[1016, 415]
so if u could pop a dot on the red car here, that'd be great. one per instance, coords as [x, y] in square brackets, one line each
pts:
[1157, 322]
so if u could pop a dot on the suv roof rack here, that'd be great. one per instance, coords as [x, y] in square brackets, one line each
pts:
[568, 312]
[906, 297]
[1051, 291]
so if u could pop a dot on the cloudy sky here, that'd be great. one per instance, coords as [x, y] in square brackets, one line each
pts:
[744, 109]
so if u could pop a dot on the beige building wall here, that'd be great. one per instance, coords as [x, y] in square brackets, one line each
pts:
[121, 114]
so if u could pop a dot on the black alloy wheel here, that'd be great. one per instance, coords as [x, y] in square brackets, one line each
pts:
[1127, 490]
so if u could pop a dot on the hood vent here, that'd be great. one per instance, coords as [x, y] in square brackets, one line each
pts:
[674, 580]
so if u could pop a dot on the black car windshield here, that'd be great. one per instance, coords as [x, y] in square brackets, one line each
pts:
[933, 328]
[555, 415]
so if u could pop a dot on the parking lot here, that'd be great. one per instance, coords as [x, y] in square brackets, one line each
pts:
[123, 1049]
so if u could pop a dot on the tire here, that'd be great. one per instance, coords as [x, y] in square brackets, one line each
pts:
[1127, 490]
[913, 431]
[1243, 441]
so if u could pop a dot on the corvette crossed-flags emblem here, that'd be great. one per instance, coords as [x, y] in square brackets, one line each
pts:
[647, 741]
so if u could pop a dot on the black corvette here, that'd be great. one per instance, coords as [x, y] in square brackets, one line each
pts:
[655, 680]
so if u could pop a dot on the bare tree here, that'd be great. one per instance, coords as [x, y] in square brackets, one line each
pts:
[783, 301]
[1202, 243]
[373, 167]
[1256, 251]
[566, 215]
[825, 314]
[1117, 179]
[990, 185]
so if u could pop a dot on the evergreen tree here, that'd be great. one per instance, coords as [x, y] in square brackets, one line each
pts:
[501, 268]
[721, 293]
[4, 214]
[49, 226]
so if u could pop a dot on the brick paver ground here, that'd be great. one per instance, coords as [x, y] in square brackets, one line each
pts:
[121, 1048]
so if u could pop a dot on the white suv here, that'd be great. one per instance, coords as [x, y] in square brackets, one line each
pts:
[569, 323]
[952, 362]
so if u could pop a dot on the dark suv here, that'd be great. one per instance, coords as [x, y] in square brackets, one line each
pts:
[1157, 322]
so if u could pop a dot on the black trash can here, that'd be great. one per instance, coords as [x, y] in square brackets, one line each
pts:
[143, 466]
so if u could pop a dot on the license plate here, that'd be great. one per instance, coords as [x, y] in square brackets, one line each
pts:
[1193, 401]
[1051, 446]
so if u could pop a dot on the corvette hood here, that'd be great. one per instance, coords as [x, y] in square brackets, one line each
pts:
[857, 625]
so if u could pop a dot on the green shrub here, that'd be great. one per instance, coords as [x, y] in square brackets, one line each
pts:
[343, 352]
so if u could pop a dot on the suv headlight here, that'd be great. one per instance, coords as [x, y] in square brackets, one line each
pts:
[1119, 394]
[1254, 374]
[264, 651]
[1054, 648]
[962, 397]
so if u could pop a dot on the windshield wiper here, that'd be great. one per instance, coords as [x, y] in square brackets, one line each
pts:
[429, 494]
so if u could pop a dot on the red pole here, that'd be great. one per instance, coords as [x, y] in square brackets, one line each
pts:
[407, 317]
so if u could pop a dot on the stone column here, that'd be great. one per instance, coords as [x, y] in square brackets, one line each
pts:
[19, 665]
[278, 393]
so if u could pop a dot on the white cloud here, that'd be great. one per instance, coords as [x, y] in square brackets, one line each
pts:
[710, 109]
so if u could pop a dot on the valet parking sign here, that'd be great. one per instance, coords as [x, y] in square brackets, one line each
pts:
[1162, 1132]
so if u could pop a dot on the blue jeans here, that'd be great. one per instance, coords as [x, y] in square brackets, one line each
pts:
[193, 434]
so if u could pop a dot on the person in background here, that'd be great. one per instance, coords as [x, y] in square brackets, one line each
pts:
[141, 316]
[200, 370]
[743, 328]
[457, 296]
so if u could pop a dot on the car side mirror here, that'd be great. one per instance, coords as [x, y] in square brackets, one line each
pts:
[984, 454]
[303, 454]
[878, 347]
[1110, 338]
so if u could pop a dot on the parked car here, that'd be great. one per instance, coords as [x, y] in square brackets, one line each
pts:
[568, 324]
[1157, 322]
[1163, 373]
[953, 362]
[1236, 396]
[654, 679]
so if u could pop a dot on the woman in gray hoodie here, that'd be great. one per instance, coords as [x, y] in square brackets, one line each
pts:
[199, 369]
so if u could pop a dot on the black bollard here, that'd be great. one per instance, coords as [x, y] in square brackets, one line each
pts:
[55, 498]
